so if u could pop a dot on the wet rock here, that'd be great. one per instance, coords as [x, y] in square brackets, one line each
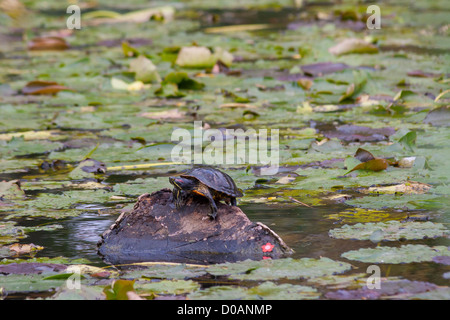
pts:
[155, 230]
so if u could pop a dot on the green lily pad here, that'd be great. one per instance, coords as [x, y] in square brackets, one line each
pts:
[19, 147]
[267, 290]
[10, 232]
[404, 254]
[162, 271]
[166, 286]
[399, 201]
[83, 293]
[281, 268]
[28, 283]
[11, 190]
[390, 231]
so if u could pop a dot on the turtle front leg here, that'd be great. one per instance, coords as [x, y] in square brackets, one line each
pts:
[179, 197]
[233, 201]
[204, 191]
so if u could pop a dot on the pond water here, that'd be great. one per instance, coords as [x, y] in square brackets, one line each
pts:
[303, 229]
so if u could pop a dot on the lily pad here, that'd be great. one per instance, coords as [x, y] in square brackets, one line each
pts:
[439, 117]
[404, 254]
[390, 230]
[353, 45]
[281, 268]
[166, 287]
[164, 271]
[389, 289]
[28, 283]
[11, 190]
[267, 290]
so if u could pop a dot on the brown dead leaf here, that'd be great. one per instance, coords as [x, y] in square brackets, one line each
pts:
[48, 43]
[43, 87]
[238, 105]
[305, 83]
[25, 248]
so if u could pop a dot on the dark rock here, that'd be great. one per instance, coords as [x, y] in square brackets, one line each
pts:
[157, 231]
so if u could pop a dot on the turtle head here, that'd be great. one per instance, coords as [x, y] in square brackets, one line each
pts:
[181, 188]
[182, 183]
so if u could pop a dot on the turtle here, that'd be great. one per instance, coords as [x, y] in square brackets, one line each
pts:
[208, 182]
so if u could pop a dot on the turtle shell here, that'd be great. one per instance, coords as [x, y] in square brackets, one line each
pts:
[214, 179]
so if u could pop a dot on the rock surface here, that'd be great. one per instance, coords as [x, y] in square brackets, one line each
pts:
[157, 231]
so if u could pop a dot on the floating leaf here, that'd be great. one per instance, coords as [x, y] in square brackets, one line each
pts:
[155, 270]
[353, 45]
[404, 254]
[176, 81]
[24, 248]
[94, 18]
[407, 187]
[279, 269]
[358, 215]
[322, 68]
[372, 165]
[28, 283]
[403, 94]
[349, 132]
[43, 87]
[48, 43]
[119, 84]
[266, 290]
[11, 190]
[363, 155]
[32, 268]
[129, 51]
[87, 169]
[439, 117]
[144, 70]
[408, 141]
[118, 289]
[390, 230]
[166, 287]
[396, 289]
[30, 135]
[202, 57]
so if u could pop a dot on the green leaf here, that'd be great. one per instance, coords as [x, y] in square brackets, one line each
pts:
[408, 141]
[371, 165]
[390, 231]
[118, 289]
[404, 254]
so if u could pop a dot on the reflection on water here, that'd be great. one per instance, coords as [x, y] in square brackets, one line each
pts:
[77, 239]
